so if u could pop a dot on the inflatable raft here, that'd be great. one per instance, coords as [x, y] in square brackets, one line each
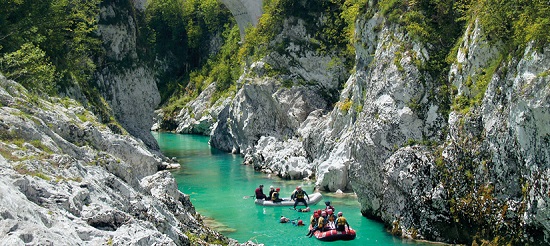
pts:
[313, 199]
[333, 235]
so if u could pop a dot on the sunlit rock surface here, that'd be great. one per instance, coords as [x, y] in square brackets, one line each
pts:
[65, 178]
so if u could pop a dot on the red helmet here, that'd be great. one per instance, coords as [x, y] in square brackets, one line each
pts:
[315, 215]
[300, 222]
[278, 189]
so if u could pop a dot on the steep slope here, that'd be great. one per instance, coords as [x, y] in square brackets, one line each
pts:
[67, 178]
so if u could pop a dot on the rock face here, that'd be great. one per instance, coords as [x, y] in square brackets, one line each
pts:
[246, 12]
[484, 172]
[65, 178]
[456, 161]
[130, 89]
[264, 107]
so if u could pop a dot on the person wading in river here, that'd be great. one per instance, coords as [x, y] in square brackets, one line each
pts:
[298, 196]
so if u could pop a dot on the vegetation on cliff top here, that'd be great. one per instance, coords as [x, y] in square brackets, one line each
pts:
[47, 45]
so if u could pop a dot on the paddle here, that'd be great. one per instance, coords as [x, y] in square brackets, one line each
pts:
[246, 197]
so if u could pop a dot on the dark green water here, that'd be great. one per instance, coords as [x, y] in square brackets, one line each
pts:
[218, 184]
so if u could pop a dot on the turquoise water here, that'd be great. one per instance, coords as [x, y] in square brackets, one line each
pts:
[220, 186]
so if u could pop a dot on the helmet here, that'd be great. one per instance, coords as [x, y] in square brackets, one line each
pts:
[323, 213]
[306, 209]
[339, 213]
[329, 211]
[315, 215]
[261, 185]
[327, 203]
[278, 189]
[300, 222]
[299, 187]
[271, 187]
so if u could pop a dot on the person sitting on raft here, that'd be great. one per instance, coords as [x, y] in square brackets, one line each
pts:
[321, 223]
[341, 222]
[331, 220]
[275, 196]
[314, 222]
[271, 190]
[298, 196]
[260, 192]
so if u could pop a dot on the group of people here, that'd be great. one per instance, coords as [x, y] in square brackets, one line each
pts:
[273, 194]
[298, 195]
[324, 220]
[321, 220]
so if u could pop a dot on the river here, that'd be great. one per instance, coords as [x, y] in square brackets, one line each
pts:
[220, 188]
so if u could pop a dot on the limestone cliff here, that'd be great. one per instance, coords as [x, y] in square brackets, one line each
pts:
[459, 159]
[127, 80]
[67, 179]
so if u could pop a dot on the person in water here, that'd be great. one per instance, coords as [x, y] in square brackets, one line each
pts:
[260, 192]
[341, 222]
[284, 219]
[275, 196]
[298, 196]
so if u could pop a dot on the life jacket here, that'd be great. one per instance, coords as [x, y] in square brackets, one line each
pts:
[331, 218]
[321, 222]
[274, 196]
[300, 194]
[341, 221]
[314, 221]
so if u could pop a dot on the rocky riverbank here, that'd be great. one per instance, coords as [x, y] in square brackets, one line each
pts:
[67, 179]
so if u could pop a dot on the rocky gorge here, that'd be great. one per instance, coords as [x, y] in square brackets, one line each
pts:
[70, 178]
[460, 161]
[456, 153]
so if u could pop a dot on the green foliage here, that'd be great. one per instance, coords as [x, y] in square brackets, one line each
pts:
[477, 87]
[515, 22]
[30, 67]
[223, 68]
[345, 105]
[50, 42]
[334, 33]
[181, 32]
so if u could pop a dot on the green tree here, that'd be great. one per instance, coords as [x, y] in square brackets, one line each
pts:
[30, 67]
